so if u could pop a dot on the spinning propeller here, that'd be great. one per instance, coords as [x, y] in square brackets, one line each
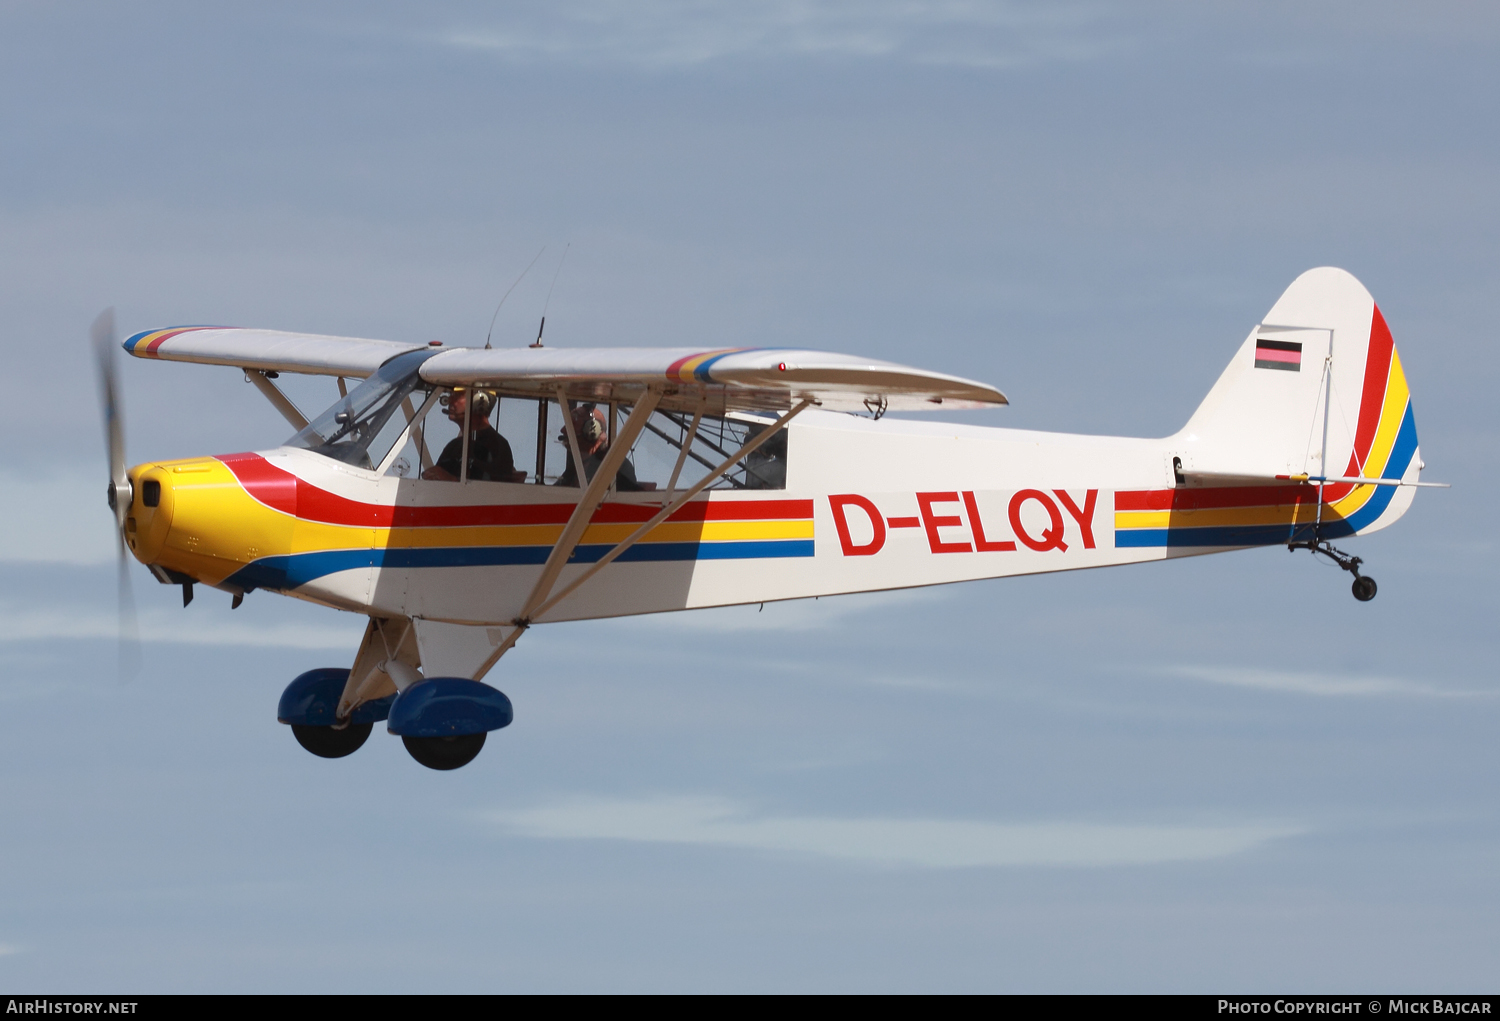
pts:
[120, 495]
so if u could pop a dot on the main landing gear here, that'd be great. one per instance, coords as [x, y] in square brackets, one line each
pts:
[1364, 586]
[442, 721]
[332, 742]
[445, 752]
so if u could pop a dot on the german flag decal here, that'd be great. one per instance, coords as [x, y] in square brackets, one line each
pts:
[1278, 354]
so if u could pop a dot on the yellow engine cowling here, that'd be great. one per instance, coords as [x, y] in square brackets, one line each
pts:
[193, 517]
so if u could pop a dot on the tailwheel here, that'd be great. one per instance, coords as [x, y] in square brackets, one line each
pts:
[1364, 587]
[447, 752]
[330, 742]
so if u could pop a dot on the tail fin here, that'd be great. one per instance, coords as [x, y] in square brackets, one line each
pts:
[1317, 389]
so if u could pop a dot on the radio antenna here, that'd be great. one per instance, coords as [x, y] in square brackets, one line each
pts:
[548, 302]
[507, 295]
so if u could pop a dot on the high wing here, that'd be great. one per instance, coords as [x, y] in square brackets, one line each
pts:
[267, 350]
[731, 379]
[766, 379]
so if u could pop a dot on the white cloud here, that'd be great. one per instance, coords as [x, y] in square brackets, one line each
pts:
[6, 949]
[671, 33]
[1311, 683]
[923, 843]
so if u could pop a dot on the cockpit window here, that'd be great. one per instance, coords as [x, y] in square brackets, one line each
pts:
[363, 427]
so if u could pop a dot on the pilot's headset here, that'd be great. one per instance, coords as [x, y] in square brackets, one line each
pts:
[481, 402]
[589, 430]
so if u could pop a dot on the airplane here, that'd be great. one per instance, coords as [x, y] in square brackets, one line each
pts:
[429, 497]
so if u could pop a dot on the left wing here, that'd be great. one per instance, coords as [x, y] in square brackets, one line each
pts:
[748, 379]
[267, 350]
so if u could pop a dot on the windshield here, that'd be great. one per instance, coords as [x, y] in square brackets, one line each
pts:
[363, 427]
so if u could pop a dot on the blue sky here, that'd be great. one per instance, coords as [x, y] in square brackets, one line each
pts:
[1216, 774]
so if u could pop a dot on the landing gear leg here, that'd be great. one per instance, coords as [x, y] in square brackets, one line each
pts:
[1364, 586]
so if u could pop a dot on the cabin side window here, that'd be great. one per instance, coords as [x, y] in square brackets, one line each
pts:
[671, 453]
[498, 449]
[524, 440]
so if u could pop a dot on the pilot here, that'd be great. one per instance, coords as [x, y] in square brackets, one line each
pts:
[490, 458]
[593, 444]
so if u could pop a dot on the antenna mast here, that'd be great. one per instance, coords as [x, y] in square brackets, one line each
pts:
[548, 302]
[507, 295]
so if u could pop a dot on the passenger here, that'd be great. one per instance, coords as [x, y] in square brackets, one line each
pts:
[593, 444]
[490, 458]
[765, 466]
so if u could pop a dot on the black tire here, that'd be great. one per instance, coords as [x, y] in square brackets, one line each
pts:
[445, 752]
[1364, 589]
[327, 743]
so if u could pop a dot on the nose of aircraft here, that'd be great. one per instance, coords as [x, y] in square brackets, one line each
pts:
[150, 516]
[194, 518]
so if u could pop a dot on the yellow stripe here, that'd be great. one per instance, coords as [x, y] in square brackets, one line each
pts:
[217, 527]
[1220, 517]
[1391, 414]
[145, 342]
[546, 535]
[688, 368]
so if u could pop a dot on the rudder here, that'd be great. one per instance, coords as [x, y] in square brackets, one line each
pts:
[1318, 381]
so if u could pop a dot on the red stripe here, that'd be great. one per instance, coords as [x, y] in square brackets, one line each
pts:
[281, 490]
[1377, 374]
[1210, 499]
[159, 341]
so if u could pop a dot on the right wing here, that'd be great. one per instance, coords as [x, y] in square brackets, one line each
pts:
[733, 379]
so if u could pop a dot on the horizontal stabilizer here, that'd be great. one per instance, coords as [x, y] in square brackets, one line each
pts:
[1209, 480]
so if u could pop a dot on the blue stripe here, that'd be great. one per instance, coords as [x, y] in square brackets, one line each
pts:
[1226, 535]
[457, 556]
[701, 372]
[289, 572]
[757, 550]
[128, 341]
[1402, 452]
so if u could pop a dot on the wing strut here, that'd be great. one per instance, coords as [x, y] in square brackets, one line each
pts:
[593, 496]
[539, 603]
[278, 399]
[687, 442]
[580, 473]
[671, 508]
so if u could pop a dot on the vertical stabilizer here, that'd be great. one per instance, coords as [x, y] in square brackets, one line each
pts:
[1316, 390]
